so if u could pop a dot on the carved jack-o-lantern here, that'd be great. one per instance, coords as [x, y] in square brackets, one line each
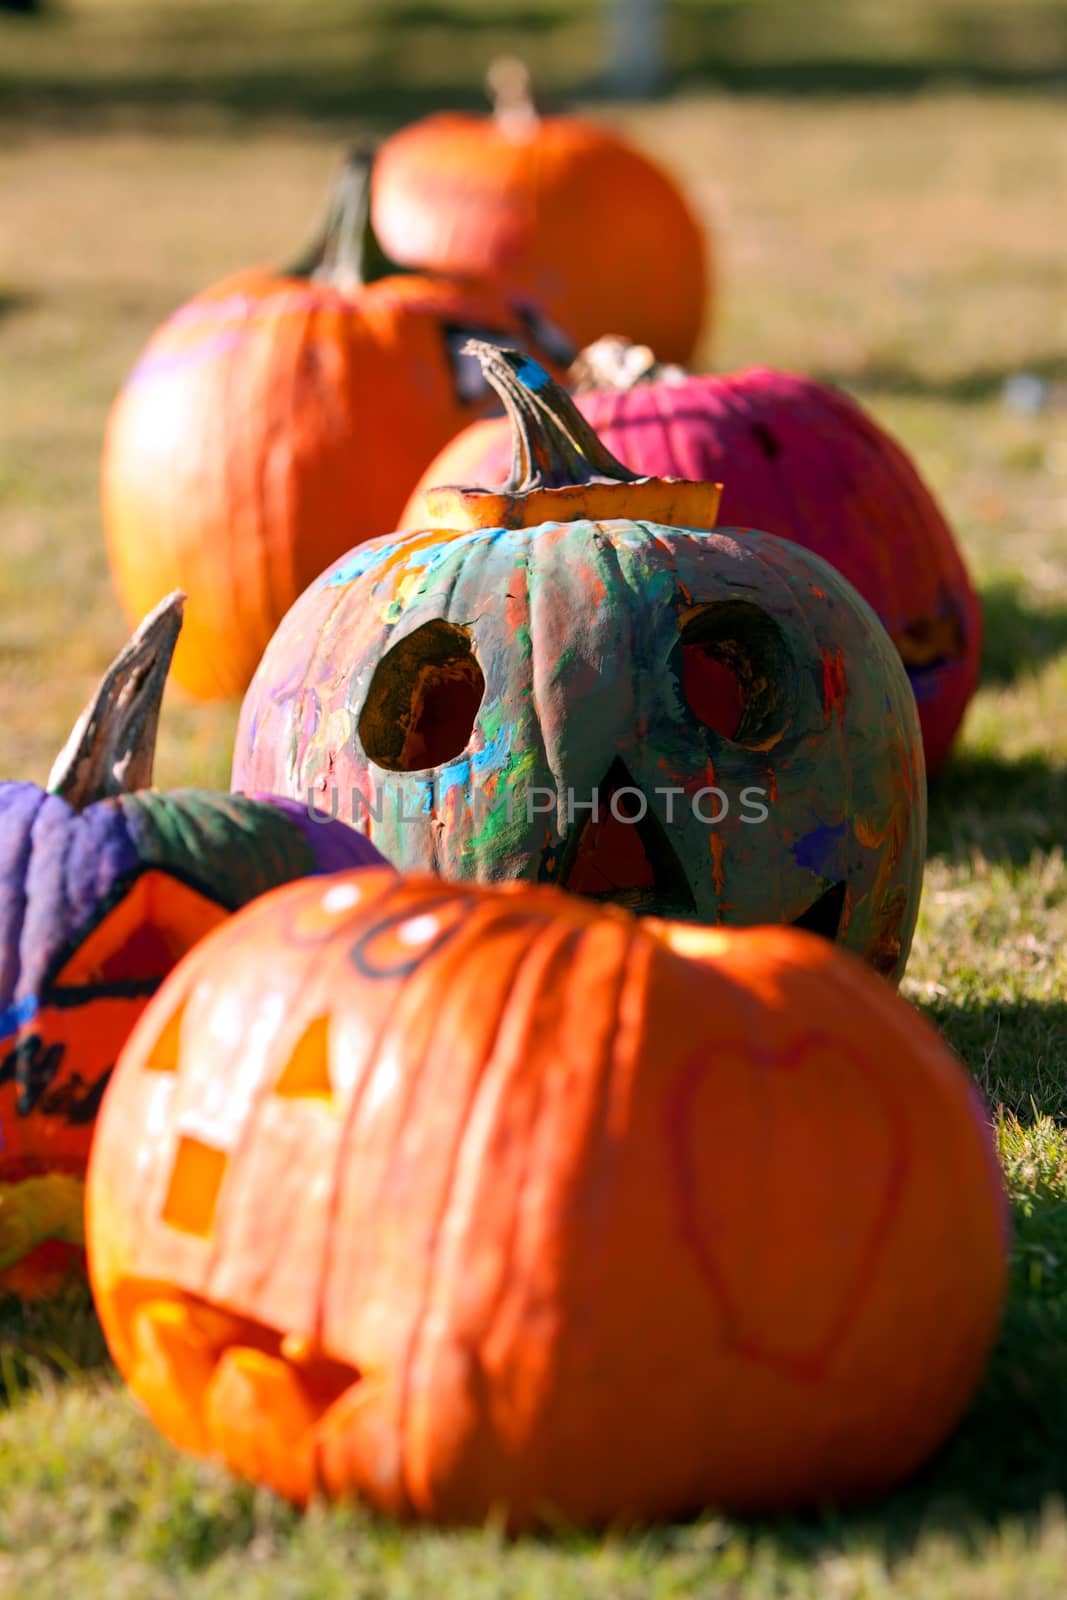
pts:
[571, 680]
[104, 884]
[463, 1199]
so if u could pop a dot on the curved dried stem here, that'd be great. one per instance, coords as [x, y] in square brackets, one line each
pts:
[347, 252]
[552, 445]
[113, 744]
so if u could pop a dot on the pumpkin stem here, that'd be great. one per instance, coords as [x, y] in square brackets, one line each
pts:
[113, 744]
[552, 445]
[617, 365]
[510, 90]
[347, 252]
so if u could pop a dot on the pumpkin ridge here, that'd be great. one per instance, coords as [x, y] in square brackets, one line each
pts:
[480, 927]
[393, 892]
[336, 1183]
[496, 1065]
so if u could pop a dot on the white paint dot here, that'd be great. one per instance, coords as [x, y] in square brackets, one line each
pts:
[420, 930]
[340, 897]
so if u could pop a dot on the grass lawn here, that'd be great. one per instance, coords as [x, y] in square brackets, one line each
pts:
[909, 246]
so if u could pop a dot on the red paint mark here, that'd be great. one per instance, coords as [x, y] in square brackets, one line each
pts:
[804, 1367]
[715, 846]
[820, 594]
[834, 684]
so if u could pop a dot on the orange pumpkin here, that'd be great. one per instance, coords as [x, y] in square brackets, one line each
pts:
[278, 419]
[560, 207]
[104, 883]
[467, 1198]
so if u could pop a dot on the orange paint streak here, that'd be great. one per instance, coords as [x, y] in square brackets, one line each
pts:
[715, 847]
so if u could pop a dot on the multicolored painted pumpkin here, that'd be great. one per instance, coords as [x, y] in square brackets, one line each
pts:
[800, 460]
[560, 207]
[499, 1201]
[571, 680]
[277, 419]
[103, 885]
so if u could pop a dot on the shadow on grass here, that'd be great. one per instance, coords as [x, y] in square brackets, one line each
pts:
[841, 76]
[392, 60]
[1016, 1051]
[327, 95]
[55, 1338]
[962, 388]
[1001, 809]
[13, 300]
[1019, 638]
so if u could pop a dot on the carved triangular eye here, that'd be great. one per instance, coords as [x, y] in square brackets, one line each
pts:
[306, 1074]
[423, 699]
[166, 1052]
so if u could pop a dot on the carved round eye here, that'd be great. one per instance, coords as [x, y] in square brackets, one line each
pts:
[423, 699]
[736, 672]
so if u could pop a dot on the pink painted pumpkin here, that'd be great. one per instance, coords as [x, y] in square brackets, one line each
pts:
[797, 459]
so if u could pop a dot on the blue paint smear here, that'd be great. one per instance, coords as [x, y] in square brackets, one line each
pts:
[17, 1016]
[366, 557]
[531, 373]
[461, 773]
[925, 681]
[817, 848]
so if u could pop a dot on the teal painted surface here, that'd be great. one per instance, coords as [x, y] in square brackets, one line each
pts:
[576, 628]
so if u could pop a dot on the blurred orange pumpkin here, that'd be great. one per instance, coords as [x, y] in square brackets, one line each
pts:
[559, 207]
[466, 1199]
[279, 418]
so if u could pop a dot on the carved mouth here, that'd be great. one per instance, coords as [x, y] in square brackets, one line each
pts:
[623, 857]
[824, 915]
[231, 1372]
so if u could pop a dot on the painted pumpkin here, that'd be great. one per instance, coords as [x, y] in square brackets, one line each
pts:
[560, 207]
[104, 883]
[279, 418]
[499, 1201]
[571, 680]
[800, 460]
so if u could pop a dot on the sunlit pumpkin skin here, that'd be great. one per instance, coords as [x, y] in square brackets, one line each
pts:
[461, 694]
[274, 421]
[561, 208]
[98, 900]
[804, 461]
[496, 1201]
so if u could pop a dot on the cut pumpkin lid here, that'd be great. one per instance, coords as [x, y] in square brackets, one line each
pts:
[561, 471]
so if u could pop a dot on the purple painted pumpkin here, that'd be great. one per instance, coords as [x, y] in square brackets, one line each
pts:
[797, 459]
[104, 884]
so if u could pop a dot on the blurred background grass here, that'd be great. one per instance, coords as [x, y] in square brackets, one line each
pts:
[107, 60]
[886, 184]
